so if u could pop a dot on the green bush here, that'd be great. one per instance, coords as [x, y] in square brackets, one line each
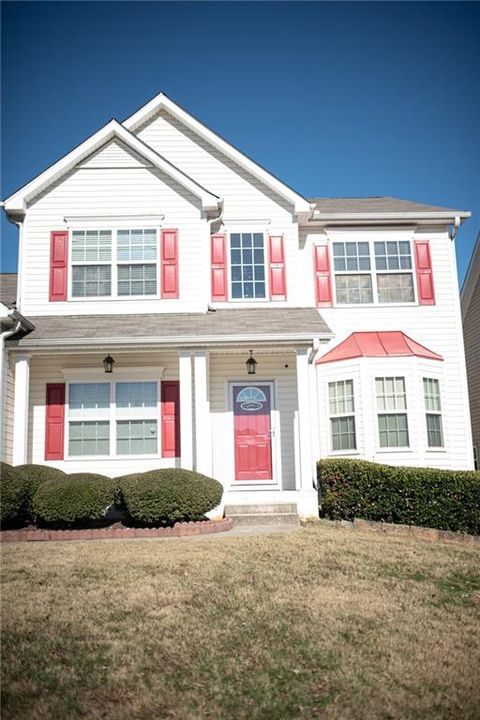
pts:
[34, 476]
[169, 495]
[74, 500]
[443, 499]
[12, 495]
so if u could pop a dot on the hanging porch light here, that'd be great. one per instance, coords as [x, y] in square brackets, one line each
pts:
[251, 364]
[108, 363]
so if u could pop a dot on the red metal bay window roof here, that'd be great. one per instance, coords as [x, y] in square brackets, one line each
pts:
[377, 344]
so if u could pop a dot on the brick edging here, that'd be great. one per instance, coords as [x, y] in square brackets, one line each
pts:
[416, 531]
[185, 529]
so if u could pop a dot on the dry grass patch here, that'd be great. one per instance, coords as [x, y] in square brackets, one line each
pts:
[317, 623]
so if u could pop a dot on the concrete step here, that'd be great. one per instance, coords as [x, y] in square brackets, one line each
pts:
[261, 509]
[264, 519]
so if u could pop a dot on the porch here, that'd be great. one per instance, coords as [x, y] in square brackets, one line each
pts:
[186, 406]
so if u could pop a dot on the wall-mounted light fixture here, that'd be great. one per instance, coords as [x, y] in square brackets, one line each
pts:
[251, 364]
[108, 363]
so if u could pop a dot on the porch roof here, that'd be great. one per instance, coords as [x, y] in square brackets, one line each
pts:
[178, 329]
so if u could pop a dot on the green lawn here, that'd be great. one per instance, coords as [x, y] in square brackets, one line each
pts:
[319, 623]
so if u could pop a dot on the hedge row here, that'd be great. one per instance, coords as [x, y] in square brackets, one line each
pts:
[37, 493]
[442, 499]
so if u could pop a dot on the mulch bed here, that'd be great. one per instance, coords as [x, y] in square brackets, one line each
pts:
[118, 532]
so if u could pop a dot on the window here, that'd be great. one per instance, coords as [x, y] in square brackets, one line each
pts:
[433, 409]
[342, 415]
[89, 419]
[390, 258]
[356, 283]
[247, 266]
[136, 412]
[135, 275]
[106, 420]
[392, 422]
[96, 274]
[91, 263]
[352, 272]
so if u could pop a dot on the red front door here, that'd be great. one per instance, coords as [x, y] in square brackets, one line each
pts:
[253, 448]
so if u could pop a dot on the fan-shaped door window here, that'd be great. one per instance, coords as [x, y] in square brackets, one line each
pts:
[251, 398]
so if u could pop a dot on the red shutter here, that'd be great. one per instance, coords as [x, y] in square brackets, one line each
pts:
[171, 418]
[276, 256]
[54, 421]
[323, 282]
[219, 268]
[169, 264]
[58, 265]
[423, 262]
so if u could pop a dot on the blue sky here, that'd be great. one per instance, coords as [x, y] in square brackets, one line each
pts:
[337, 99]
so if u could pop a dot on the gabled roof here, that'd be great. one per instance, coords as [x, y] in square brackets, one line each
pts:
[472, 278]
[252, 325]
[162, 102]
[16, 203]
[380, 208]
[392, 343]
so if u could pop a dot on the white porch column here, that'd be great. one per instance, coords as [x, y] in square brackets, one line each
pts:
[308, 501]
[186, 415]
[20, 409]
[203, 424]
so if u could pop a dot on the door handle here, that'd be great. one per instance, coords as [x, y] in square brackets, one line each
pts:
[271, 433]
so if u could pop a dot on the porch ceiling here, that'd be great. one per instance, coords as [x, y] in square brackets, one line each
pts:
[177, 329]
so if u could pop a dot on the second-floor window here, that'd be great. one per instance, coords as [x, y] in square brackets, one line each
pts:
[369, 272]
[108, 263]
[247, 266]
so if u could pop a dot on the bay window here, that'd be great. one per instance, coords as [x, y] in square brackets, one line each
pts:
[357, 282]
[392, 412]
[342, 415]
[433, 412]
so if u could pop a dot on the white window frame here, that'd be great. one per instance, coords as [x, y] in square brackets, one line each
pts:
[251, 231]
[373, 272]
[438, 413]
[347, 451]
[114, 262]
[395, 411]
[112, 415]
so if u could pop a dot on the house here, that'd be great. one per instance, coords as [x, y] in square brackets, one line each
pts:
[470, 303]
[190, 309]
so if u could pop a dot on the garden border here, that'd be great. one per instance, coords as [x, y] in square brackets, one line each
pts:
[181, 529]
[415, 531]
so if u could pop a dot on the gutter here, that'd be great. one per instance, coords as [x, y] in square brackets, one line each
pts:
[175, 341]
[387, 218]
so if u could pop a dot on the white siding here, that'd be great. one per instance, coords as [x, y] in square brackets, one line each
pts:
[45, 370]
[435, 326]
[115, 154]
[227, 368]
[114, 192]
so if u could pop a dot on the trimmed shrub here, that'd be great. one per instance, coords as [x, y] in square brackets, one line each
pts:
[443, 499]
[12, 495]
[34, 476]
[77, 499]
[169, 495]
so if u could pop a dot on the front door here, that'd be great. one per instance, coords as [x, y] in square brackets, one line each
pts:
[253, 443]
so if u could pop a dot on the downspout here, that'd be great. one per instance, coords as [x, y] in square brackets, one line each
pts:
[453, 233]
[4, 336]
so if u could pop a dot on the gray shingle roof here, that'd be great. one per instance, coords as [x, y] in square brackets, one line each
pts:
[8, 289]
[182, 328]
[381, 204]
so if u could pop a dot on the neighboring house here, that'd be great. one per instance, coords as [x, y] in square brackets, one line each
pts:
[470, 301]
[159, 246]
